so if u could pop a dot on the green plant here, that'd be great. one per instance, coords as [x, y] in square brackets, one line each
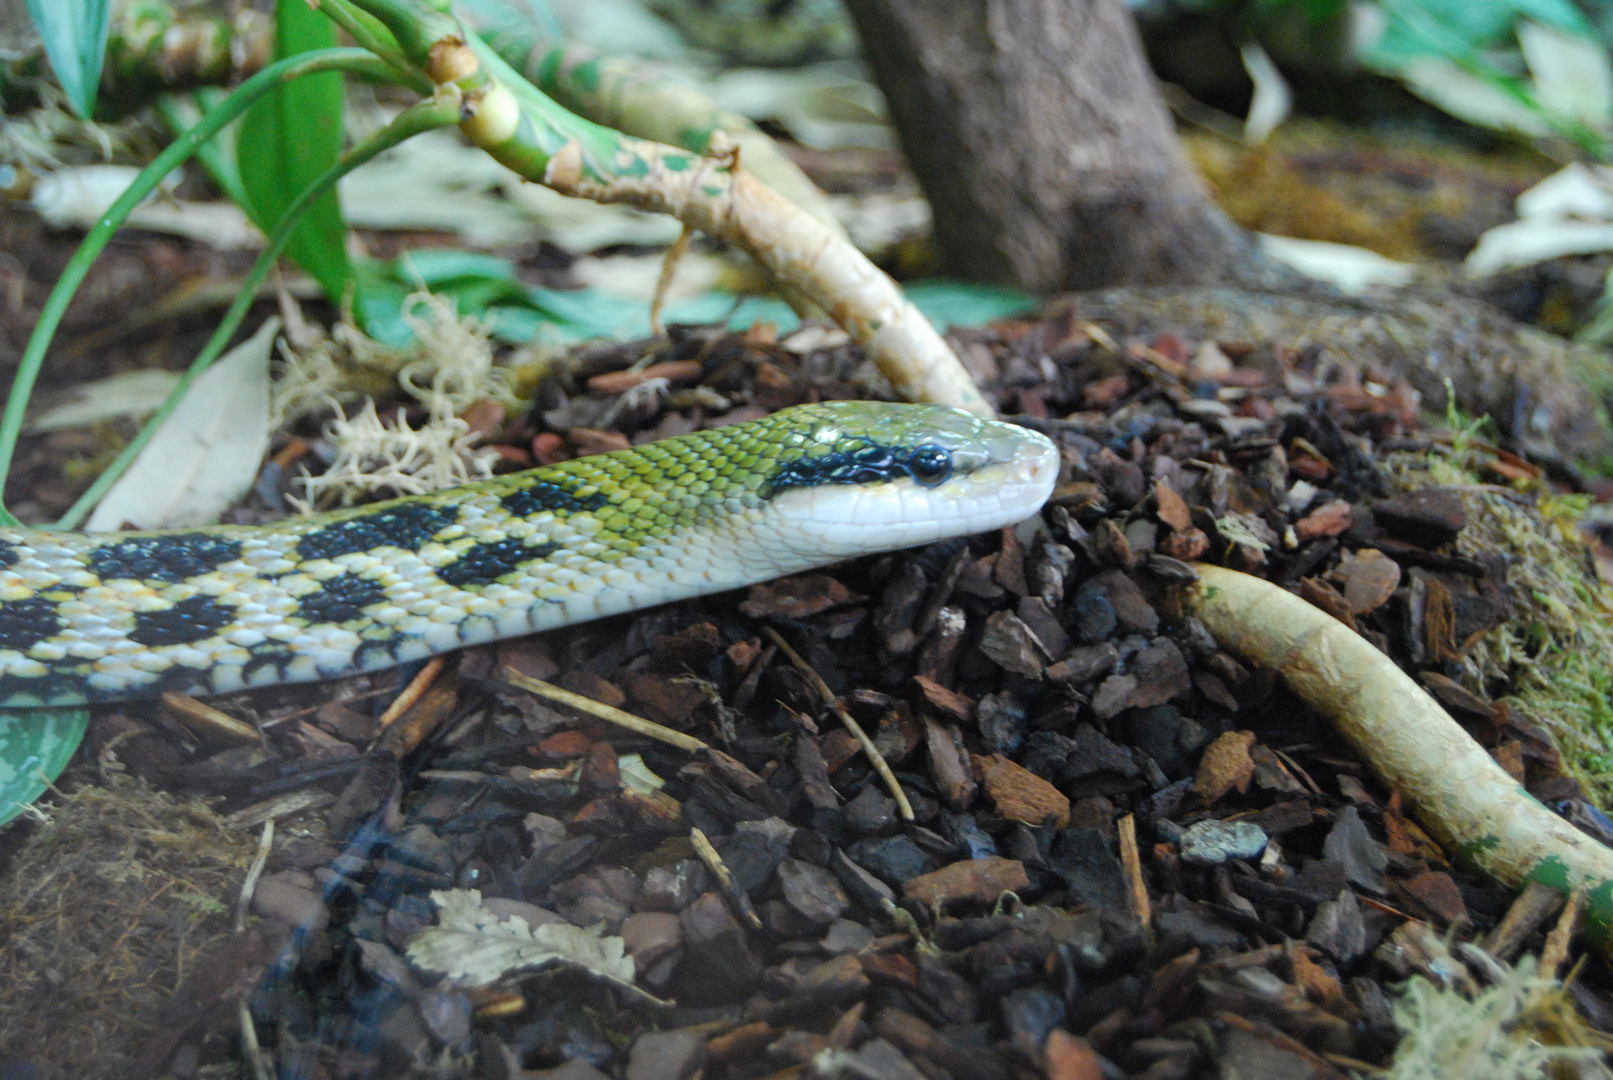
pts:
[291, 160]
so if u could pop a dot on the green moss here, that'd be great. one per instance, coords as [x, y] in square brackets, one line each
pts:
[1553, 661]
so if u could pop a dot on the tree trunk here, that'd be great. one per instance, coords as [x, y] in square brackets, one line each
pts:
[1037, 131]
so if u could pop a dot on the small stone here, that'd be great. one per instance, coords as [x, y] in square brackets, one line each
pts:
[666, 1055]
[880, 1059]
[894, 859]
[1031, 1014]
[446, 1014]
[1161, 675]
[1091, 870]
[1350, 845]
[863, 888]
[1111, 544]
[1043, 620]
[964, 831]
[1370, 578]
[1436, 891]
[1001, 718]
[1070, 1057]
[583, 901]
[420, 846]
[293, 898]
[979, 880]
[1338, 928]
[718, 965]
[949, 766]
[812, 891]
[1085, 663]
[1011, 645]
[591, 685]
[1113, 696]
[1206, 843]
[1092, 753]
[1154, 731]
[845, 936]
[544, 830]
[1019, 794]
[1329, 519]
[1141, 535]
[798, 597]
[589, 441]
[666, 701]
[650, 935]
[1133, 613]
[839, 981]
[672, 888]
[1185, 544]
[1225, 765]
[755, 850]
[949, 704]
[1170, 507]
[1428, 517]
[870, 813]
[1093, 613]
[601, 774]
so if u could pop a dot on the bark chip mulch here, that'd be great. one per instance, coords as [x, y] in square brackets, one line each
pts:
[1105, 848]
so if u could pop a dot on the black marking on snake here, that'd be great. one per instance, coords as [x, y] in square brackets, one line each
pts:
[8, 554]
[929, 465]
[543, 495]
[25, 623]
[485, 563]
[365, 656]
[177, 679]
[175, 558]
[408, 526]
[277, 657]
[192, 619]
[54, 686]
[340, 599]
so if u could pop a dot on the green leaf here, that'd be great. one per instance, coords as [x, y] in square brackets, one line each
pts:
[287, 140]
[74, 32]
[35, 746]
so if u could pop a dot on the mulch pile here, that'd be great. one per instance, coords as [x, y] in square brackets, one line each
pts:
[1129, 854]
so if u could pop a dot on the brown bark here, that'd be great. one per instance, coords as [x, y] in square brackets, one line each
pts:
[1041, 139]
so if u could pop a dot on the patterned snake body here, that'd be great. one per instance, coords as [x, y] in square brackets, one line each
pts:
[95, 617]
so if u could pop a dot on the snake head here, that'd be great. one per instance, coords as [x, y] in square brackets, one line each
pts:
[851, 477]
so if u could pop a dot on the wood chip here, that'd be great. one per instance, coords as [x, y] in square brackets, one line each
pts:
[1020, 794]
[1225, 766]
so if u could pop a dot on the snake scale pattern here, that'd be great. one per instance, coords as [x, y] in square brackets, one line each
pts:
[102, 616]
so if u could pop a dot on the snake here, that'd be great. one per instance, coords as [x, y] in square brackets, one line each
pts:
[92, 617]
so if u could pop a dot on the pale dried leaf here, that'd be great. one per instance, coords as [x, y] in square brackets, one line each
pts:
[132, 393]
[476, 947]
[206, 454]
[637, 775]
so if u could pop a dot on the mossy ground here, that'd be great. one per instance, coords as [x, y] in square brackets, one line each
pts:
[1554, 658]
[105, 909]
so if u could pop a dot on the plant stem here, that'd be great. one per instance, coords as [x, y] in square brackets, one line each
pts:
[50, 316]
[370, 33]
[438, 112]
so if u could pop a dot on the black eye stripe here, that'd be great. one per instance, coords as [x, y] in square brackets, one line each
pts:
[929, 465]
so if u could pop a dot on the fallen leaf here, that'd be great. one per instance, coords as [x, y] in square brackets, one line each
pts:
[206, 455]
[472, 944]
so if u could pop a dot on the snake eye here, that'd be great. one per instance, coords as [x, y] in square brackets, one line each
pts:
[931, 465]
